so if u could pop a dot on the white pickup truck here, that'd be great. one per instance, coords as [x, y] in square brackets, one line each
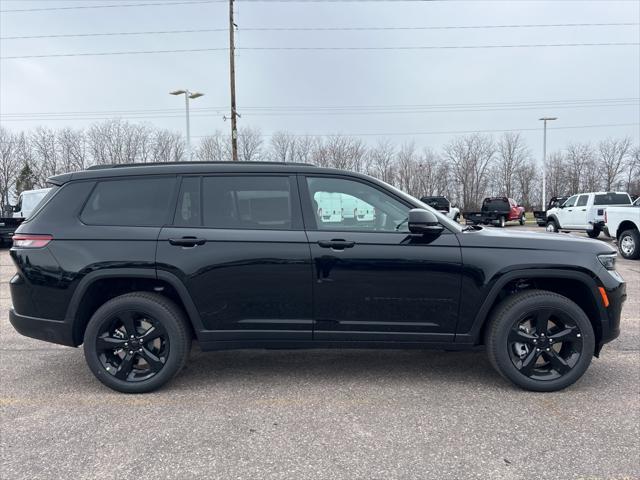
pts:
[584, 212]
[623, 223]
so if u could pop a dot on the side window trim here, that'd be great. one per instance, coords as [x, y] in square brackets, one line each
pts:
[308, 213]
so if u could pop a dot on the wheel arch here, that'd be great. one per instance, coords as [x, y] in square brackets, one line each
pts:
[625, 225]
[100, 286]
[555, 219]
[578, 286]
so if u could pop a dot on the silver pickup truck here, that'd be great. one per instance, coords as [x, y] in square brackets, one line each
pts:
[623, 223]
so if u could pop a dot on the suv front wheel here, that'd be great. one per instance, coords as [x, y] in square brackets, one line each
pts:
[540, 340]
[137, 342]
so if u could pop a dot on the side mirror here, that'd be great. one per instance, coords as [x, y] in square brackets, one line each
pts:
[423, 222]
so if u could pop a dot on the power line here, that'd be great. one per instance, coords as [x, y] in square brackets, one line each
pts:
[121, 5]
[337, 109]
[443, 132]
[325, 29]
[248, 113]
[405, 48]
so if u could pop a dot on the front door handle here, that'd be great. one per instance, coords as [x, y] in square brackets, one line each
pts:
[336, 244]
[187, 241]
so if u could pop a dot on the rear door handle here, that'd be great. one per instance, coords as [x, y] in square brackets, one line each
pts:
[187, 241]
[336, 244]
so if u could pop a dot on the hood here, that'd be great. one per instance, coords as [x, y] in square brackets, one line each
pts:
[518, 239]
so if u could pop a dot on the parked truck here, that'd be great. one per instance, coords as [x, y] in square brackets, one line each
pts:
[623, 223]
[541, 215]
[13, 216]
[585, 212]
[496, 211]
[443, 205]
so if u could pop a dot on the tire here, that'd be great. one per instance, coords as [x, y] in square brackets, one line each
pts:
[552, 226]
[456, 218]
[502, 222]
[523, 219]
[629, 244]
[595, 233]
[530, 358]
[149, 364]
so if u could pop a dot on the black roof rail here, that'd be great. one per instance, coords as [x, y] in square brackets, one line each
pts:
[150, 164]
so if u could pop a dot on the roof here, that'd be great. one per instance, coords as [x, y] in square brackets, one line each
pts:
[186, 168]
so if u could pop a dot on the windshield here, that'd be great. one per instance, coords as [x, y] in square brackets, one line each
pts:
[491, 204]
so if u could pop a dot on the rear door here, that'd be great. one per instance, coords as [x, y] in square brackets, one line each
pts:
[238, 246]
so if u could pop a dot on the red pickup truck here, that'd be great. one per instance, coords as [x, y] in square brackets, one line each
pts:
[496, 211]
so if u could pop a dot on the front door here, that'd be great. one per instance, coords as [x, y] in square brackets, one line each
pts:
[373, 280]
[238, 246]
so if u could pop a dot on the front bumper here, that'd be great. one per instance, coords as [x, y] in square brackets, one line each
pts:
[611, 328]
[54, 331]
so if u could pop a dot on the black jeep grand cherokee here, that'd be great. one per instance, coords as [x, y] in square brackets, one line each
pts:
[135, 261]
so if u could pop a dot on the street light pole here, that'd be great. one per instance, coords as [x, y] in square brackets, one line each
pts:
[187, 96]
[544, 160]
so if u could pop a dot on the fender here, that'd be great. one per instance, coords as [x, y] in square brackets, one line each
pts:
[146, 273]
[555, 219]
[501, 279]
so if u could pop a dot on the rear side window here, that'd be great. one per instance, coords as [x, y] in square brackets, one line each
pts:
[129, 202]
[612, 199]
[582, 200]
[188, 210]
[247, 202]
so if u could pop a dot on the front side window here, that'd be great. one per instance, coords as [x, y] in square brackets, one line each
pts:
[571, 202]
[245, 202]
[129, 202]
[341, 204]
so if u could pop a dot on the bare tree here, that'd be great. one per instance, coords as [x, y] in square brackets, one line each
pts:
[214, 148]
[9, 164]
[578, 157]
[167, 146]
[282, 147]
[72, 147]
[408, 170]
[526, 180]
[612, 155]
[249, 144]
[382, 162]
[512, 154]
[45, 151]
[470, 158]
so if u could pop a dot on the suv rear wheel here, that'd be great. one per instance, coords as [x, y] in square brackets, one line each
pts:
[540, 340]
[137, 342]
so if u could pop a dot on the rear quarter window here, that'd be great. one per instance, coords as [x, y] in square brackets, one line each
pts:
[612, 199]
[130, 202]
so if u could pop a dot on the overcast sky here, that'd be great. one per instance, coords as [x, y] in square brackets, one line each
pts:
[577, 84]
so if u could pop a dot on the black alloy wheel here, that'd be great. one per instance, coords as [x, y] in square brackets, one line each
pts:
[137, 342]
[132, 346]
[540, 340]
[545, 345]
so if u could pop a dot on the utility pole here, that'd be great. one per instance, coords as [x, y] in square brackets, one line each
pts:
[232, 72]
[544, 160]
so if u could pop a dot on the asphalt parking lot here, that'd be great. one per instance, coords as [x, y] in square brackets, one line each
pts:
[318, 414]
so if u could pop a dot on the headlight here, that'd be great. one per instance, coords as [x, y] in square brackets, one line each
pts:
[608, 260]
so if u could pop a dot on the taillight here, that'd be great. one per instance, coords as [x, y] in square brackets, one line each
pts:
[31, 241]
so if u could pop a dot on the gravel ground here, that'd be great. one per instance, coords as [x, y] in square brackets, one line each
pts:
[318, 414]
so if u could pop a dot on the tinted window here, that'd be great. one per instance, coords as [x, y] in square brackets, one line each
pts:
[341, 204]
[131, 202]
[438, 203]
[491, 204]
[247, 202]
[188, 208]
[582, 200]
[612, 199]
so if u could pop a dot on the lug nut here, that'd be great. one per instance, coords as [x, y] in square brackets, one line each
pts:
[535, 341]
[130, 352]
[126, 344]
[578, 335]
[537, 349]
[140, 350]
[547, 349]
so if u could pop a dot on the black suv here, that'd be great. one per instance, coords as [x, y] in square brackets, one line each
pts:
[135, 261]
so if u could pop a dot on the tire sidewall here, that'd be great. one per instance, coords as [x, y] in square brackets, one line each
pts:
[554, 226]
[636, 239]
[503, 323]
[178, 347]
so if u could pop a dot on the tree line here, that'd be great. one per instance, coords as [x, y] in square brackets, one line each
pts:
[466, 169]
